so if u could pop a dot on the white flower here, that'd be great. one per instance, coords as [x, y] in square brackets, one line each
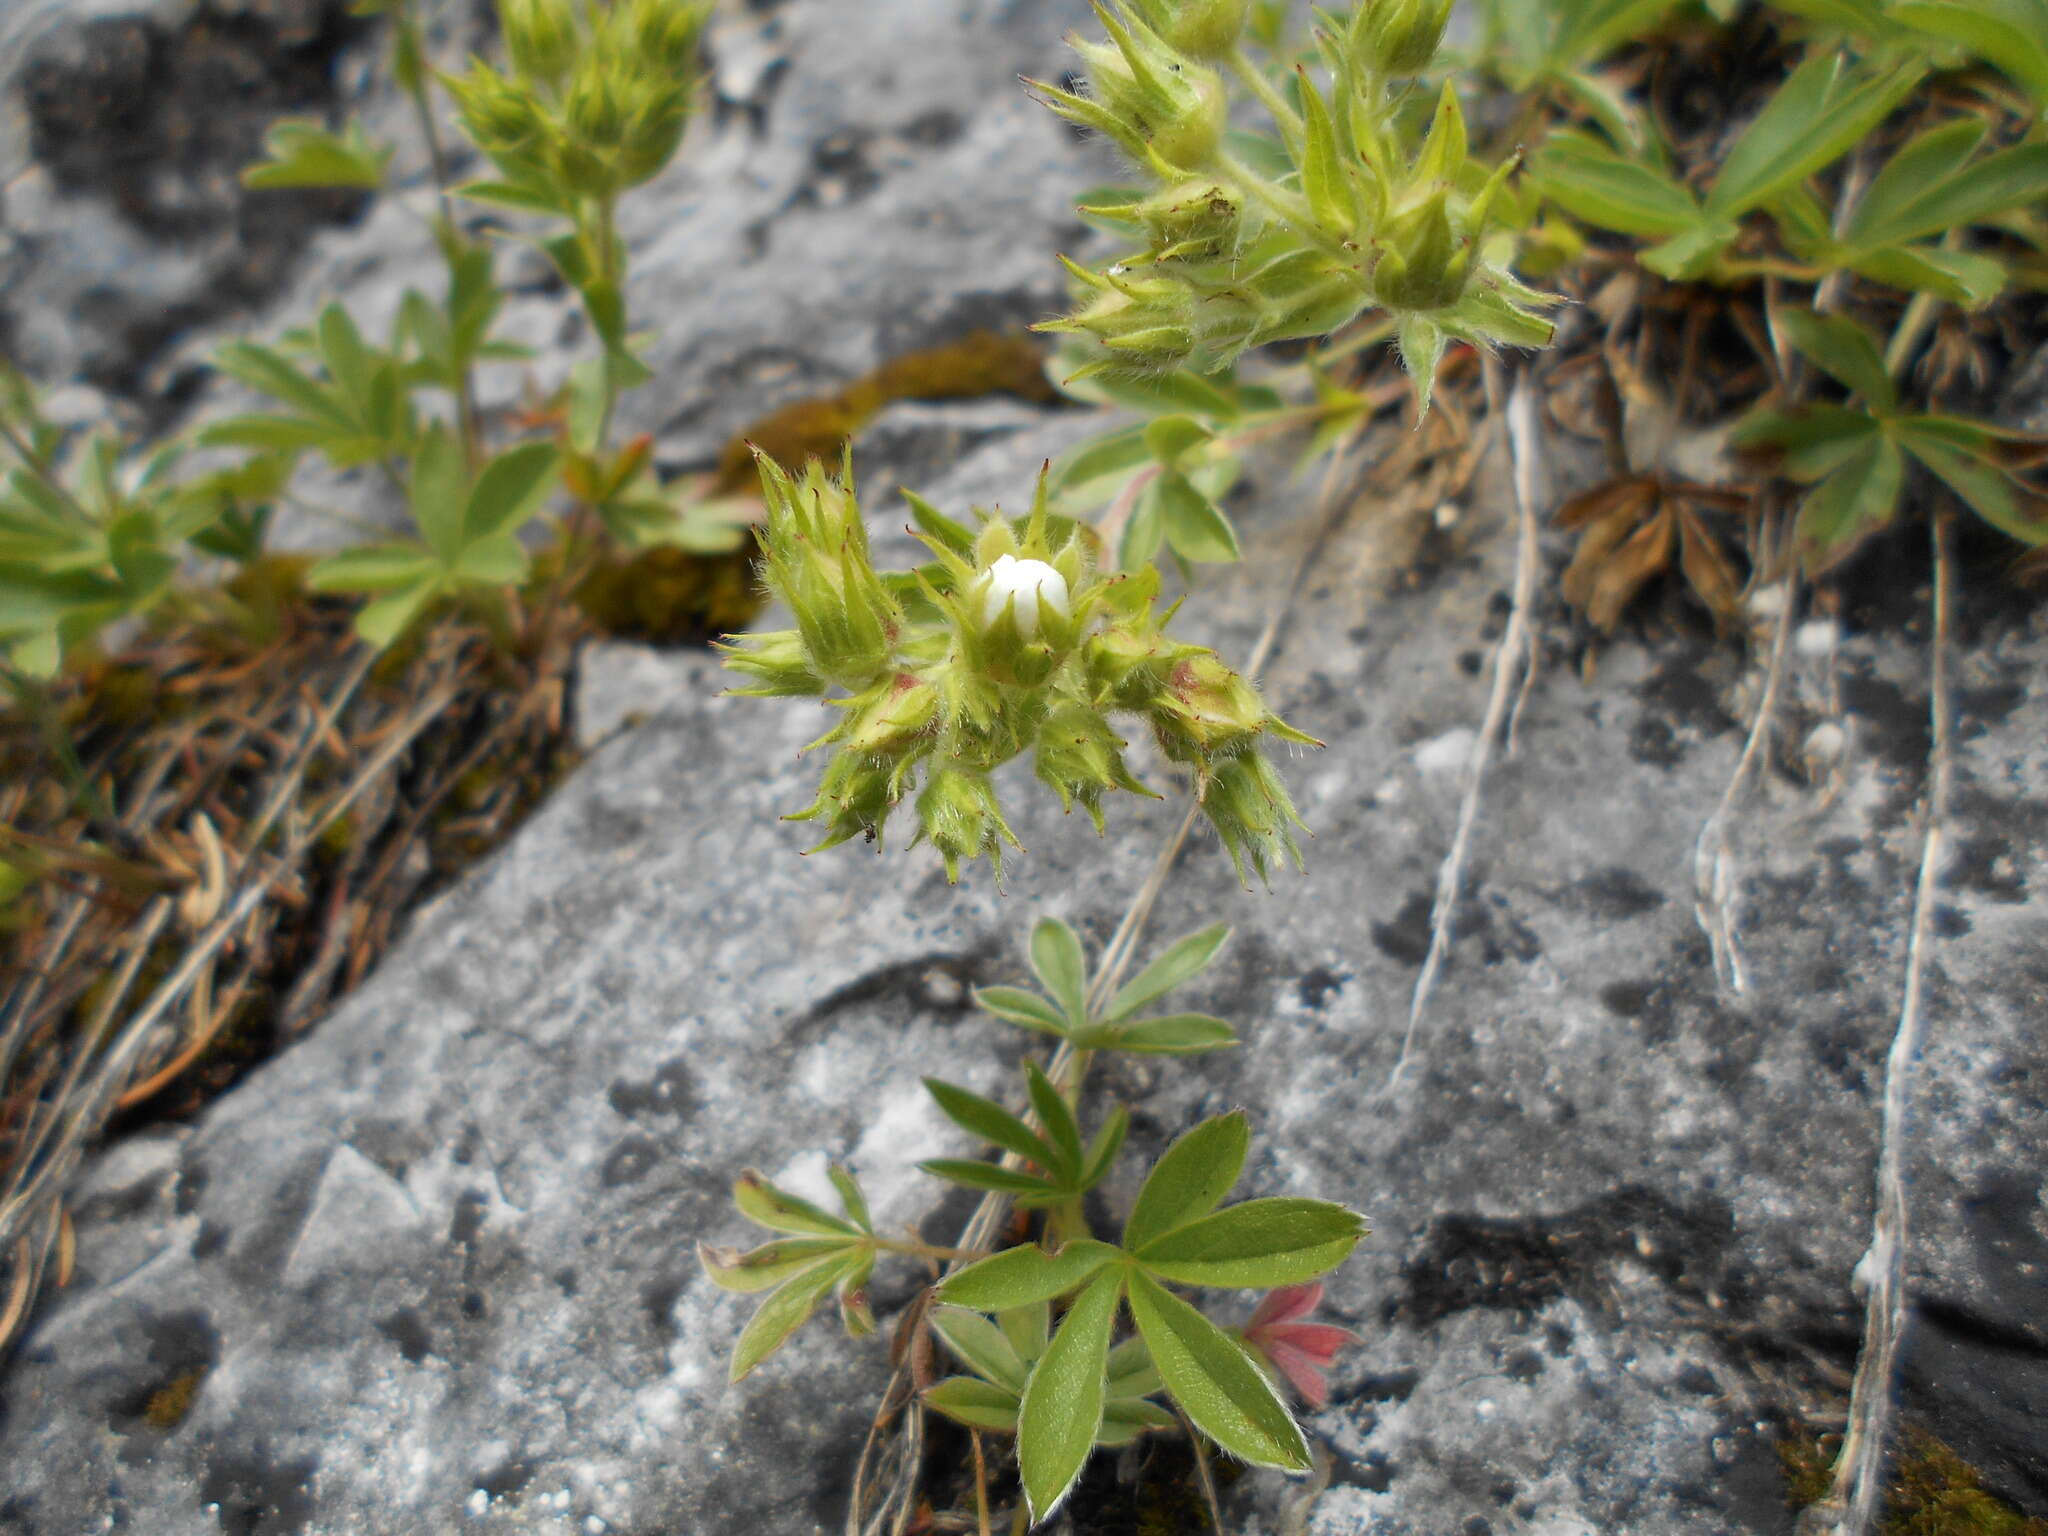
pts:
[1025, 581]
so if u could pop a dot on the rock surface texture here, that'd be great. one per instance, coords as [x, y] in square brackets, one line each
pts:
[431, 1270]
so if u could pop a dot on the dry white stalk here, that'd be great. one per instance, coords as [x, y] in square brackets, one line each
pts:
[1855, 1501]
[1513, 659]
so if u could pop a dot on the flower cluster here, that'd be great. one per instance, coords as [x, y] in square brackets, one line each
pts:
[1010, 641]
[1355, 215]
[597, 97]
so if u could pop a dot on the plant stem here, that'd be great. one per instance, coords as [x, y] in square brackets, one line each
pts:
[437, 160]
[922, 1250]
[1285, 118]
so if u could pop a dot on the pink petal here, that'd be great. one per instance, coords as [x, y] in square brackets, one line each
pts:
[1302, 1373]
[1319, 1341]
[1286, 1304]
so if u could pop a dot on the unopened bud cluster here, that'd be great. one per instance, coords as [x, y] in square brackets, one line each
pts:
[1367, 217]
[1010, 642]
[597, 96]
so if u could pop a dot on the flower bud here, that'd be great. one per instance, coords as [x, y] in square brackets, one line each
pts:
[1144, 323]
[817, 563]
[1249, 807]
[656, 119]
[1153, 100]
[1398, 37]
[890, 716]
[500, 115]
[959, 816]
[1192, 221]
[594, 109]
[1206, 710]
[1202, 29]
[662, 35]
[1128, 664]
[1079, 757]
[541, 36]
[778, 660]
[854, 799]
[1423, 263]
[1023, 591]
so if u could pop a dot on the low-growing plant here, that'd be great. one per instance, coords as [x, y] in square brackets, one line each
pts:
[1063, 1385]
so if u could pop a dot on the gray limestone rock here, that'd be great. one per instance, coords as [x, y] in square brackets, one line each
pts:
[431, 1270]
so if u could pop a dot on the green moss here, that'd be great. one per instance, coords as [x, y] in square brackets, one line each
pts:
[1934, 1492]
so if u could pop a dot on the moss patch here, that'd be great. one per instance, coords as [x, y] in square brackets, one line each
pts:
[1934, 1492]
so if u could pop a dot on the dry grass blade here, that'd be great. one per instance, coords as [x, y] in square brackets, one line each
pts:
[282, 806]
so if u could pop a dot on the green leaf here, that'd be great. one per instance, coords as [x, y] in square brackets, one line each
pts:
[1182, 960]
[1593, 183]
[266, 434]
[1144, 531]
[1131, 1372]
[1888, 213]
[1190, 1179]
[973, 1175]
[1027, 1328]
[1016, 1006]
[1177, 1034]
[1961, 277]
[1092, 473]
[1063, 1401]
[780, 1211]
[347, 360]
[497, 561]
[851, 1199]
[2011, 34]
[1818, 115]
[1062, 1133]
[1160, 395]
[1858, 498]
[785, 1311]
[988, 1120]
[1985, 488]
[977, 1404]
[1125, 1419]
[936, 525]
[981, 1346]
[1259, 1244]
[1322, 172]
[372, 568]
[1592, 29]
[439, 479]
[1017, 1277]
[1924, 199]
[1169, 437]
[384, 620]
[508, 490]
[305, 154]
[1195, 525]
[1215, 1380]
[765, 1267]
[262, 369]
[1103, 1149]
[1815, 440]
[1061, 966]
[1845, 351]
